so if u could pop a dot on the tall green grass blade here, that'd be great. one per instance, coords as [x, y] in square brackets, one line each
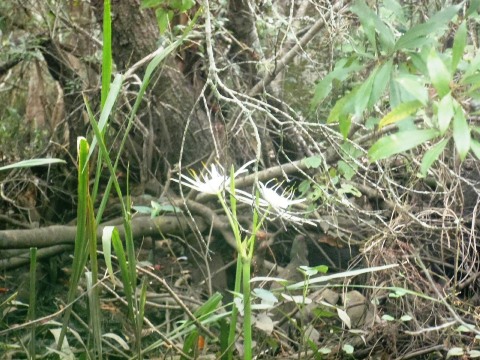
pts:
[93, 293]
[32, 302]
[128, 287]
[31, 163]
[81, 246]
[106, 78]
[107, 51]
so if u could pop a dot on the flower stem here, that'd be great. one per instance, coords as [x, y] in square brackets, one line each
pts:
[247, 321]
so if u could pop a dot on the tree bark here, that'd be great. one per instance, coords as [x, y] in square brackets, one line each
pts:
[172, 98]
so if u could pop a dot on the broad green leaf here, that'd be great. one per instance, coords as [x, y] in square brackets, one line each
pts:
[163, 18]
[461, 133]
[364, 93]
[439, 74]
[475, 146]
[371, 23]
[400, 112]
[445, 111]
[343, 106]
[414, 88]
[431, 156]
[312, 162]
[341, 72]
[32, 162]
[474, 7]
[382, 78]
[151, 3]
[344, 124]
[399, 142]
[459, 45]
[366, 16]
[417, 35]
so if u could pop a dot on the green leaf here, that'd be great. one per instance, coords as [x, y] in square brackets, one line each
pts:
[475, 146]
[151, 3]
[343, 106]
[461, 133]
[431, 156]
[163, 19]
[382, 78]
[366, 16]
[371, 23]
[418, 35]
[107, 109]
[364, 93]
[414, 88]
[107, 249]
[459, 45]
[32, 162]
[439, 74]
[344, 124]
[445, 111]
[399, 142]
[341, 72]
[312, 162]
[474, 7]
[400, 112]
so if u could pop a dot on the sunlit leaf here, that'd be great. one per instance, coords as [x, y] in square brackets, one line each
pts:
[400, 112]
[461, 133]
[414, 88]
[312, 162]
[342, 314]
[445, 112]
[32, 162]
[475, 146]
[387, 317]
[431, 156]
[406, 318]
[456, 351]
[459, 45]
[264, 322]
[348, 349]
[439, 74]
[399, 142]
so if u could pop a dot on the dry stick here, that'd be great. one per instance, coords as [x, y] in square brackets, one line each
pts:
[60, 234]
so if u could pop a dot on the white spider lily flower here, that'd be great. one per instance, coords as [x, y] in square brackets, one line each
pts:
[278, 202]
[213, 182]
